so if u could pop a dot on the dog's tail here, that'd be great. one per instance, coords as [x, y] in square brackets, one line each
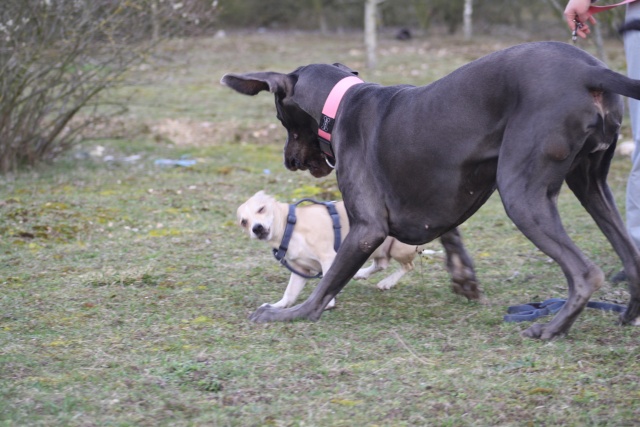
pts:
[601, 78]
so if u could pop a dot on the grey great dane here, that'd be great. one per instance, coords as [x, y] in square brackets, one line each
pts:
[416, 162]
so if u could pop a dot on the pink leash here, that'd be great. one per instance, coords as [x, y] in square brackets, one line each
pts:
[597, 9]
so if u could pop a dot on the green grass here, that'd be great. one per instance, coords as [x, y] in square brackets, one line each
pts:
[126, 287]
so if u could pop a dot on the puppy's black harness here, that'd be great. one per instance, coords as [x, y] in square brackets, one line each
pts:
[288, 231]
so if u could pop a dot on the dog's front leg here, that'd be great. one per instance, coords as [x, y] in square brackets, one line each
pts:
[460, 266]
[295, 286]
[355, 250]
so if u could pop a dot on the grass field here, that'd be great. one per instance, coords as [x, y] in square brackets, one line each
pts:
[126, 286]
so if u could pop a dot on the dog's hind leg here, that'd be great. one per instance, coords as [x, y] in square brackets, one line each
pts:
[588, 183]
[391, 280]
[460, 266]
[529, 178]
[365, 273]
[380, 260]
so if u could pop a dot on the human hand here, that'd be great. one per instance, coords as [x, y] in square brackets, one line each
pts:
[578, 17]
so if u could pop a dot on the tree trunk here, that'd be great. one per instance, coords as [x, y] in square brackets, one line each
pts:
[155, 21]
[322, 19]
[467, 19]
[370, 35]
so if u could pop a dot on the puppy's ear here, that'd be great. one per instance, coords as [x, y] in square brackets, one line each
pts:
[254, 83]
[345, 68]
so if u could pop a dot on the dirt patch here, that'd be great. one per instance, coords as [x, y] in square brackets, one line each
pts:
[188, 132]
[184, 131]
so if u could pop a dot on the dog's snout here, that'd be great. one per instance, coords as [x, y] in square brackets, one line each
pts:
[293, 164]
[260, 232]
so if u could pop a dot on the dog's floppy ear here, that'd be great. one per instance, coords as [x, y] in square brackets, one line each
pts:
[254, 83]
[345, 68]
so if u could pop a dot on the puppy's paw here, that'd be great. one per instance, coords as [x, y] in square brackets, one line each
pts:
[279, 304]
[331, 305]
[385, 285]
[360, 276]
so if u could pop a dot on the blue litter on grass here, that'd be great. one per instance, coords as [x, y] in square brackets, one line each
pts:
[173, 162]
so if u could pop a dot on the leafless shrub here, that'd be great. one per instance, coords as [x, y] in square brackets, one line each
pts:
[58, 57]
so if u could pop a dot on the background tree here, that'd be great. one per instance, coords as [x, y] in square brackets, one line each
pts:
[370, 30]
[467, 19]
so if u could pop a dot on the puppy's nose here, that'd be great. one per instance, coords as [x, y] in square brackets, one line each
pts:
[258, 229]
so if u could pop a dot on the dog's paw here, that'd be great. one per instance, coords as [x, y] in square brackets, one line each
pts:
[541, 331]
[534, 331]
[626, 319]
[309, 310]
[631, 316]
[265, 313]
[360, 276]
[467, 288]
[385, 285]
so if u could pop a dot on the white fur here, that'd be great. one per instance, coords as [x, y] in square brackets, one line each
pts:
[626, 148]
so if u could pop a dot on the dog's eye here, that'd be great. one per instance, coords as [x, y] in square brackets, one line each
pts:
[261, 210]
[243, 223]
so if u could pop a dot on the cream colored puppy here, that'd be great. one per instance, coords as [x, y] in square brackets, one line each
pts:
[311, 246]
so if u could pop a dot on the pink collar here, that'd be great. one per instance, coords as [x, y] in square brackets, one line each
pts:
[329, 110]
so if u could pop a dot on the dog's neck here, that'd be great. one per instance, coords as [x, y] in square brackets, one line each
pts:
[279, 226]
[329, 111]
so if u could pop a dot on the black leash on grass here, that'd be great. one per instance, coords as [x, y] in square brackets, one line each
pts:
[534, 310]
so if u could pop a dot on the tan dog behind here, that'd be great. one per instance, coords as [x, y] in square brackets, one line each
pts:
[311, 246]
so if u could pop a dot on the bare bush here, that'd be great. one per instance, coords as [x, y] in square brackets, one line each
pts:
[58, 57]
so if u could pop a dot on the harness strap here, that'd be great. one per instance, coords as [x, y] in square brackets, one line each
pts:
[281, 252]
[286, 236]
